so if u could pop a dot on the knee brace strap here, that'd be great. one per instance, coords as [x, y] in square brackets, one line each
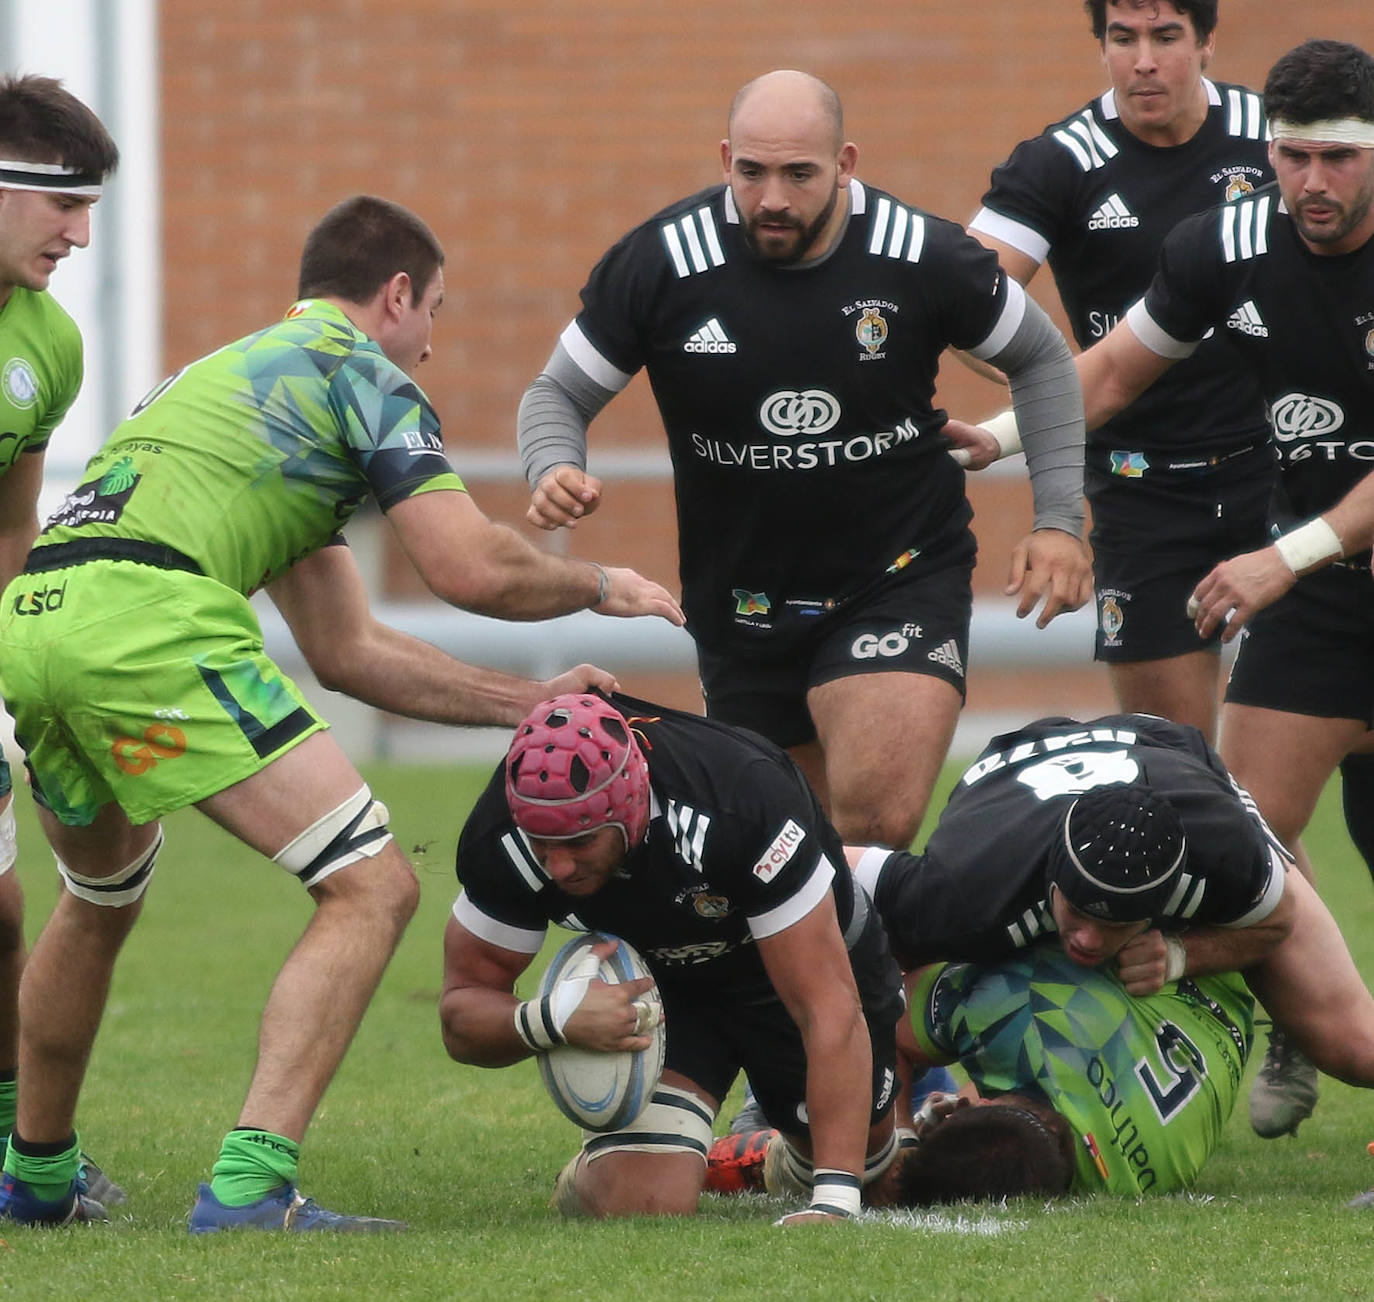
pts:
[119, 889]
[676, 1121]
[355, 830]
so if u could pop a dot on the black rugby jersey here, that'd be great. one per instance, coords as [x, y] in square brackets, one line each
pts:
[797, 400]
[1099, 201]
[979, 891]
[1304, 324]
[737, 848]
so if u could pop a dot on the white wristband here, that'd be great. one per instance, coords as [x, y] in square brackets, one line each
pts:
[1175, 958]
[541, 1023]
[835, 1192]
[1309, 545]
[535, 1025]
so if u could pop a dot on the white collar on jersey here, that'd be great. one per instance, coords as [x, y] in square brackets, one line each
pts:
[1107, 103]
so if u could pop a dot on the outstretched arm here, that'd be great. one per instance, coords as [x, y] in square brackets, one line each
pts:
[324, 601]
[469, 561]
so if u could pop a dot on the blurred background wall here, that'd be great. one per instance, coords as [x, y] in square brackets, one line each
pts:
[531, 135]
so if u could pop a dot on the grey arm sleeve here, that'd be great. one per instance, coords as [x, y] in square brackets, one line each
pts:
[1048, 402]
[551, 425]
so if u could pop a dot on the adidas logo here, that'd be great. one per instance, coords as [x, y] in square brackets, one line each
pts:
[947, 654]
[1113, 215]
[710, 338]
[1246, 319]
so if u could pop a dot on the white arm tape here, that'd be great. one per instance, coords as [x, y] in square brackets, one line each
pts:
[835, 1192]
[1003, 428]
[1309, 545]
[540, 1023]
[1175, 958]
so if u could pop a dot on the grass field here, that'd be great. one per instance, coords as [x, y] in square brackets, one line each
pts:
[468, 1156]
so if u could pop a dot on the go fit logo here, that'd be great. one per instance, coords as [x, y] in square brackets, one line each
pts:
[161, 741]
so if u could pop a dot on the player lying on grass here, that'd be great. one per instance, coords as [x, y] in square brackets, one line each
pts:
[1082, 1088]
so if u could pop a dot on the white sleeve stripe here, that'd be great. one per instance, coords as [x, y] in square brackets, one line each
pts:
[918, 238]
[1245, 229]
[517, 851]
[482, 925]
[1270, 900]
[875, 242]
[593, 365]
[670, 238]
[1154, 337]
[1013, 233]
[793, 910]
[708, 229]
[1082, 156]
[1006, 325]
[870, 867]
[899, 221]
[689, 229]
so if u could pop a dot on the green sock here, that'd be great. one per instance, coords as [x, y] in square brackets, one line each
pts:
[48, 1175]
[9, 1092]
[253, 1164]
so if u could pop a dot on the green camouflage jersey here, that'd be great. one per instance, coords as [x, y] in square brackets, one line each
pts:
[40, 371]
[257, 454]
[1146, 1084]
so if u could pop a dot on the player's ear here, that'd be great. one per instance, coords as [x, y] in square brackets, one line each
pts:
[398, 294]
[725, 157]
[846, 161]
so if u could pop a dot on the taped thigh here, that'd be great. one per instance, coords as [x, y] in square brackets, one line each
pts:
[354, 830]
[119, 889]
[676, 1121]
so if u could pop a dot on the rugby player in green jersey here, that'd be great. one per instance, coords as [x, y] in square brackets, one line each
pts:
[1096, 1090]
[54, 156]
[133, 664]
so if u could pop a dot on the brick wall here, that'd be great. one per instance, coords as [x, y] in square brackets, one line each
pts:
[532, 134]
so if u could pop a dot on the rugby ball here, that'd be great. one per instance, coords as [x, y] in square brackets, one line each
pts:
[602, 1091]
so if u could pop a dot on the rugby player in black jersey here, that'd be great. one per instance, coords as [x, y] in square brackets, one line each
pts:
[791, 322]
[704, 847]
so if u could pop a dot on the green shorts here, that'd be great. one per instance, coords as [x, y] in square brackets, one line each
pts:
[139, 685]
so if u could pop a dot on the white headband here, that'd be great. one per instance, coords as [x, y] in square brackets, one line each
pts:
[1335, 131]
[52, 178]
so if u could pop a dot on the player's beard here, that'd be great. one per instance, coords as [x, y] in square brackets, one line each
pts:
[807, 235]
[1348, 217]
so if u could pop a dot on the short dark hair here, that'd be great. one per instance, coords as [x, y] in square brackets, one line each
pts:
[42, 122]
[359, 244]
[1202, 12]
[1319, 80]
[986, 1154]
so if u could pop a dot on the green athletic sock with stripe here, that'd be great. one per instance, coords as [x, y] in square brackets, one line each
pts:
[47, 1169]
[252, 1164]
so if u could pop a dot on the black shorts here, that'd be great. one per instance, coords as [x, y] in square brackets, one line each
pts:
[1312, 651]
[1156, 537]
[915, 621]
[712, 1038]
